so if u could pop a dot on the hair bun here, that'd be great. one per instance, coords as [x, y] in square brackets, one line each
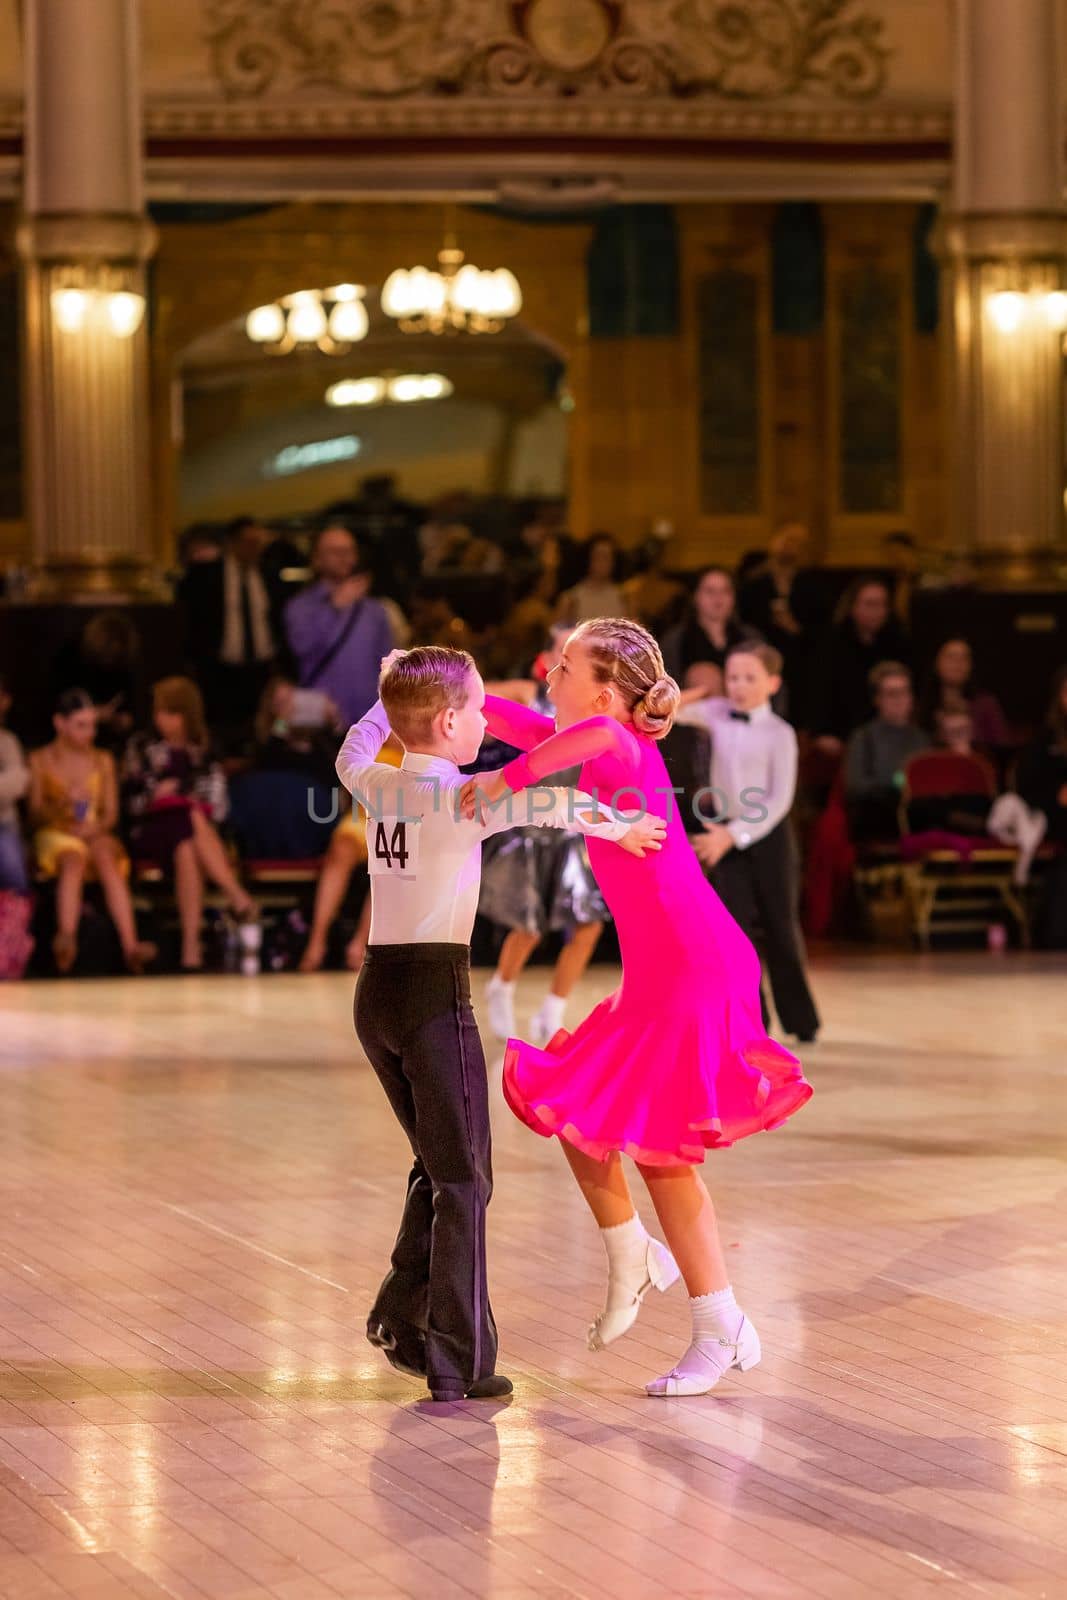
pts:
[655, 711]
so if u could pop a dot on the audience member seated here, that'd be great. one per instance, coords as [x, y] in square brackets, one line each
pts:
[337, 632]
[597, 594]
[283, 800]
[347, 851]
[786, 601]
[877, 754]
[864, 634]
[231, 640]
[948, 812]
[952, 688]
[106, 662]
[1041, 780]
[74, 808]
[14, 782]
[708, 630]
[649, 597]
[1008, 819]
[174, 796]
[297, 730]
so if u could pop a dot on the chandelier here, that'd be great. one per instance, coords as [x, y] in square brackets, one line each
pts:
[395, 388]
[331, 320]
[457, 298]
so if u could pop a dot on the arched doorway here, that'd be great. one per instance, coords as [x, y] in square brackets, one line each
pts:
[281, 436]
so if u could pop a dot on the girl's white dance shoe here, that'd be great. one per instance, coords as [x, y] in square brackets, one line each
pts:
[626, 1290]
[705, 1362]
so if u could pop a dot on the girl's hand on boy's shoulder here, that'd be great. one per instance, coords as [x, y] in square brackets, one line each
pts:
[481, 791]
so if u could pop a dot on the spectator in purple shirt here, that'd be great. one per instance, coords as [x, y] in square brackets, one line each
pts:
[336, 632]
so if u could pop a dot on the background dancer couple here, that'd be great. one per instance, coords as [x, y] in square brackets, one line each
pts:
[674, 1062]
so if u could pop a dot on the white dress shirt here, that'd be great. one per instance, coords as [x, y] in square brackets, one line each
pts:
[753, 766]
[424, 856]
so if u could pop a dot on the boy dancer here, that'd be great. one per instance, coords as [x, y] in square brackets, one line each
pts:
[413, 1012]
[751, 849]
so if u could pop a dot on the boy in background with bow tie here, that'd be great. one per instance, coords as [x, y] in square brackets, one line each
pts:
[749, 849]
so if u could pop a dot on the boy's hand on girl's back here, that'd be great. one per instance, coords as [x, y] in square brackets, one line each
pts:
[647, 833]
[711, 845]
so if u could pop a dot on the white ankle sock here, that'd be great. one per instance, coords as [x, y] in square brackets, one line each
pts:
[715, 1316]
[501, 985]
[627, 1247]
[552, 1009]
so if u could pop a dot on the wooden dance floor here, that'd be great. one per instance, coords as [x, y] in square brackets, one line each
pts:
[200, 1183]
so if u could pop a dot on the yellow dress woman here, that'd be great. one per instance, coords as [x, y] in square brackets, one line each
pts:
[73, 805]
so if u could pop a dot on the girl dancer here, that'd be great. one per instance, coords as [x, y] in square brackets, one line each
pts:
[676, 1061]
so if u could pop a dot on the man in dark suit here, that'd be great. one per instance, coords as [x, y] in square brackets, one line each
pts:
[231, 639]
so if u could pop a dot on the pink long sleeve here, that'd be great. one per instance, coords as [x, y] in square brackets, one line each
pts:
[516, 724]
[597, 736]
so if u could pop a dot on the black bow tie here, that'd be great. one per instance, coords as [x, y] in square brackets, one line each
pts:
[740, 716]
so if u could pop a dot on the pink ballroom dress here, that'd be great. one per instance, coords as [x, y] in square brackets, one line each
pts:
[677, 1060]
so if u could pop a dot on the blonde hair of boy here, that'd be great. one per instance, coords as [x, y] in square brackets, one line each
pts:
[422, 682]
[626, 655]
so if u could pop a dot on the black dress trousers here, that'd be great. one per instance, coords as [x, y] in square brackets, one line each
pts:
[414, 1020]
[759, 887]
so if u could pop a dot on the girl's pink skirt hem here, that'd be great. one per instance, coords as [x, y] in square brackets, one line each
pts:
[580, 1095]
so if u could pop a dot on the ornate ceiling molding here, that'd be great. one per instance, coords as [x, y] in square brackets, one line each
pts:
[472, 118]
[739, 50]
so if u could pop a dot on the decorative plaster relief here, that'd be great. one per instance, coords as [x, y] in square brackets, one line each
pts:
[748, 50]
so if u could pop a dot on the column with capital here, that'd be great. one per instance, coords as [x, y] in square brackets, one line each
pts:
[1005, 240]
[84, 241]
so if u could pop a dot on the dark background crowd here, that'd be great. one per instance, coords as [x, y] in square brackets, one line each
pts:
[187, 764]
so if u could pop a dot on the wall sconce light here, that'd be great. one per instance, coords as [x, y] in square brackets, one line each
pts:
[70, 307]
[1056, 310]
[125, 312]
[1007, 310]
[102, 299]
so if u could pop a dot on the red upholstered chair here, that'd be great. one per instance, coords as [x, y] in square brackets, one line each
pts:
[941, 773]
[956, 885]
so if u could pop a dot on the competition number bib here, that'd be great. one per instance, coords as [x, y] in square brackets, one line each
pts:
[392, 847]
